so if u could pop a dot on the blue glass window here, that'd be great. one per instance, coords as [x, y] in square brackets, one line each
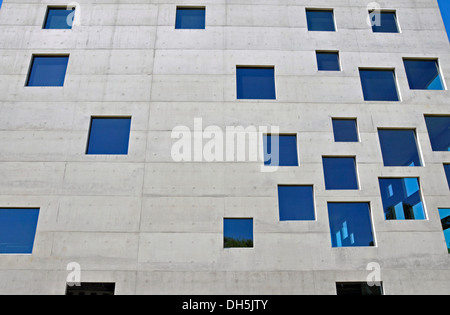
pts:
[350, 224]
[320, 20]
[445, 220]
[328, 61]
[439, 132]
[399, 147]
[401, 199]
[190, 18]
[17, 230]
[384, 22]
[423, 74]
[238, 232]
[109, 136]
[255, 83]
[280, 150]
[47, 71]
[379, 85]
[296, 203]
[345, 130]
[447, 173]
[59, 18]
[340, 173]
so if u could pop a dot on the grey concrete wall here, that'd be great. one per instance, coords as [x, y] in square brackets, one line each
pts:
[154, 226]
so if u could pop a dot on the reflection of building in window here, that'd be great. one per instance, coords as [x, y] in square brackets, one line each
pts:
[445, 220]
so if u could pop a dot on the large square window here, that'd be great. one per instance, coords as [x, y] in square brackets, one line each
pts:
[190, 18]
[340, 173]
[358, 288]
[328, 61]
[345, 130]
[18, 230]
[59, 18]
[379, 85]
[320, 20]
[399, 147]
[47, 71]
[447, 173]
[296, 203]
[439, 132]
[445, 221]
[280, 150]
[350, 224]
[255, 83]
[423, 74]
[109, 136]
[384, 22]
[401, 199]
[238, 232]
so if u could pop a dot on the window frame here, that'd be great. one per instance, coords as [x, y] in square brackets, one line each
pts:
[355, 120]
[329, 52]
[416, 138]
[358, 182]
[439, 71]
[254, 67]
[31, 65]
[56, 7]
[381, 69]
[252, 232]
[192, 8]
[388, 11]
[330, 10]
[265, 141]
[314, 208]
[107, 154]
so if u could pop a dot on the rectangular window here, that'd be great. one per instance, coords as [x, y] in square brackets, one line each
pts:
[87, 288]
[340, 173]
[190, 18]
[109, 136]
[358, 288]
[384, 22]
[379, 85]
[238, 233]
[401, 199]
[320, 20]
[296, 203]
[328, 61]
[350, 224]
[18, 230]
[255, 83]
[345, 130]
[445, 220]
[47, 71]
[280, 150]
[423, 74]
[399, 147]
[439, 132]
[447, 173]
[59, 18]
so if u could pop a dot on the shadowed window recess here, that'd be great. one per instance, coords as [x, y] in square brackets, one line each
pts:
[109, 136]
[296, 203]
[280, 150]
[320, 20]
[340, 173]
[345, 130]
[18, 230]
[423, 74]
[238, 232]
[379, 85]
[47, 71]
[399, 147]
[350, 224]
[447, 173]
[328, 61]
[255, 83]
[444, 214]
[384, 22]
[401, 199]
[190, 18]
[439, 132]
[59, 18]
[91, 288]
[358, 288]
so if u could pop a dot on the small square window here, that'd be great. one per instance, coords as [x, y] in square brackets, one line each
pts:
[345, 130]
[88, 288]
[340, 173]
[280, 150]
[328, 61]
[320, 20]
[447, 173]
[445, 221]
[238, 233]
[18, 230]
[384, 22]
[109, 136]
[423, 74]
[255, 83]
[358, 288]
[59, 18]
[439, 132]
[350, 224]
[379, 85]
[401, 199]
[296, 203]
[399, 147]
[190, 18]
[47, 71]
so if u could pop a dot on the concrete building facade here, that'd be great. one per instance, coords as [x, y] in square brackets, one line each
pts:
[153, 225]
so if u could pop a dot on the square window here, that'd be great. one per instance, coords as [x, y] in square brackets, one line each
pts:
[401, 199]
[447, 173]
[320, 20]
[340, 173]
[445, 221]
[350, 224]
[18, 230]
[88, 288]
[423, 74]
[59, 18]
[399, 147]
[190, 18]
[379, 85]
[255, 83]
[345, 130]
[280, 150]
[384, 22]
[439, 132]
[328, 61]
[238, 233]
[109, 136]
[296, 203]
[358, 288]
[47, 71]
